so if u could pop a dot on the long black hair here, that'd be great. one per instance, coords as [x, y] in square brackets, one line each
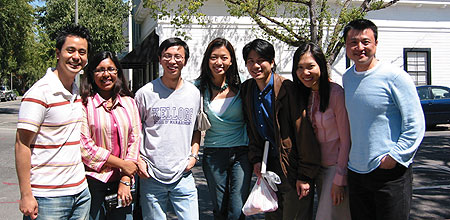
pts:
[88, 86]
[231, 75]
[324, 79]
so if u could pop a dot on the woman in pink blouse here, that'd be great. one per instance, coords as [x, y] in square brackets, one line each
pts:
[326, 110]
[109, 136]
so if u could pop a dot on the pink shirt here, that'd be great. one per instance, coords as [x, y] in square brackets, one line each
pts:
[332, 130]
[103, 131]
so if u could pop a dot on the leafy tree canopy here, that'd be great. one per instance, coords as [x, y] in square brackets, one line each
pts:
[16, 19]
[290, 21]
[103, 18]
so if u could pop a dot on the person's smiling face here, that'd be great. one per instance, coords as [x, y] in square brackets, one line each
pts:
[172, 60]
[219, 61]
[73, 56]
[105, 77]
[258, 67]
[308, 71]
[361, 47]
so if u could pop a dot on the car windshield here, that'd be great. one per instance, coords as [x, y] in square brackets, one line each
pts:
[440, 93]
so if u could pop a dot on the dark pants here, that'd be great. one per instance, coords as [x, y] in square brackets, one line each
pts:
[383, 194]
[289, 206]
[228, 173]
[98, 210]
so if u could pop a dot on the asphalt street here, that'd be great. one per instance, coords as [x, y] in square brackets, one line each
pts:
[431, 185]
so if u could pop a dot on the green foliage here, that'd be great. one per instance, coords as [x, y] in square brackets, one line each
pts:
[16, 18]
[103, 18]
[180, 13]
[291, 21]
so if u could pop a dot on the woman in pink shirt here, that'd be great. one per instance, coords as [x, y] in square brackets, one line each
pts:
[326, 110]
[110, 136]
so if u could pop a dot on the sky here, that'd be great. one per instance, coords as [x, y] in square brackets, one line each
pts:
[37, 3]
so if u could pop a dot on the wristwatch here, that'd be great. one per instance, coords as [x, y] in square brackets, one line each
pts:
[125, 183]
[195, 156]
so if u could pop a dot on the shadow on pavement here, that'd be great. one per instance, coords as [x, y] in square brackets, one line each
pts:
[10, 111]
[431, 184]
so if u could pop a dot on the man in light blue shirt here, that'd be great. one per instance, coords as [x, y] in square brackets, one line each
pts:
[387, 126]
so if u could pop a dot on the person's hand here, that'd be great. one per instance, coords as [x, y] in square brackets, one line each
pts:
[257, 169]
[337, 194]
[142, 168]
[387, 162]
[124, 193]
[29, 206]
[129, 168]
[191, 164]
[302, 188]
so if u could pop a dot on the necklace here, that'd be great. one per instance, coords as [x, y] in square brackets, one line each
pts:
[220, 89]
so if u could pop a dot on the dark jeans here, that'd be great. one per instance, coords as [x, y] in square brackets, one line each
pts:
[98, 210]
[289, 206]
[383, 194]
[228, 173]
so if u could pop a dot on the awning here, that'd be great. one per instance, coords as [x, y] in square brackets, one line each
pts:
[143, 54]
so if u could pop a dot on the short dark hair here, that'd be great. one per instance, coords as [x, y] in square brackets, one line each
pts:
[360, 24]
[232, 74]
[88, 86]
[263, 48]
[174, 41]
[324, 81]
[73, 30]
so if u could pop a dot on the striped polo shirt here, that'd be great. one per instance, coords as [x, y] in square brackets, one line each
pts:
[54, 114]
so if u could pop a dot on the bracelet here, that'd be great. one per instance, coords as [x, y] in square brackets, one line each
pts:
[195, 156]
[125, 183]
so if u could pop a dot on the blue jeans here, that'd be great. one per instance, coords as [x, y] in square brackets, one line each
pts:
[98, 210]
[182, 194]
[228, 173]
[74, 207]
[383, 194]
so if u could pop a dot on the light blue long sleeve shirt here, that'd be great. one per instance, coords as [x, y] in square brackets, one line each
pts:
[385, 116]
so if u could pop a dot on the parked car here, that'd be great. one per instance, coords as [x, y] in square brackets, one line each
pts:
[435, 101]
[13, 95]
[5, 93]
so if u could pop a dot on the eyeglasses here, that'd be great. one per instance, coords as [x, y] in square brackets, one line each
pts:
[168, 57]
[110, 70]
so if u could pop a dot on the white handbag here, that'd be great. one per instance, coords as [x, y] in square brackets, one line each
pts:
[203, 123]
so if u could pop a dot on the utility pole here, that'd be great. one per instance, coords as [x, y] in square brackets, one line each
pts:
[77, 77]
[76, 11]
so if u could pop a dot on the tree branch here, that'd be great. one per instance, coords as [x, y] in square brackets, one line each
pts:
[305, 2]
[274, 33]
[281, 24]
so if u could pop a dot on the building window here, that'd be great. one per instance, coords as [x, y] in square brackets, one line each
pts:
[417, 62]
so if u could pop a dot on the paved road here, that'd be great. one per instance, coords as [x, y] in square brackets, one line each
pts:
[431, 193]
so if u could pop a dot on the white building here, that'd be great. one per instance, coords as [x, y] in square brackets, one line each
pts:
[412, 34]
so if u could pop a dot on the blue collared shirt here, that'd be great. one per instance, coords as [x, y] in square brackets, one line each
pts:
[264, 114]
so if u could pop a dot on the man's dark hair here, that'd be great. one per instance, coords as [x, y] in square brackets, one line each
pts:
[263, 48]
[73, 30]
[174, 41]
[360, 25]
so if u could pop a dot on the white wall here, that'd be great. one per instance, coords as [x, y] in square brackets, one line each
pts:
[404, 25]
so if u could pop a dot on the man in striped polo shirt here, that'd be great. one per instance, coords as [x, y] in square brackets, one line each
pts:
[48, 160]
